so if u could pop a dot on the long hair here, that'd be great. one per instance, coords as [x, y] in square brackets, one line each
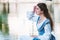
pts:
[44, 8]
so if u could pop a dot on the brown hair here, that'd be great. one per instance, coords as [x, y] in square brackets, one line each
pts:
[43, 8]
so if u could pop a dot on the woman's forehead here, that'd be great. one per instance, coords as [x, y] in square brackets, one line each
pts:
[37, 7]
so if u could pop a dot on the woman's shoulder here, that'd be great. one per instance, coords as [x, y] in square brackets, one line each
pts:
[47, 21]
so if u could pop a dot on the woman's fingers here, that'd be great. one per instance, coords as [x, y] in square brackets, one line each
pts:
[33, 35]
[34, 8]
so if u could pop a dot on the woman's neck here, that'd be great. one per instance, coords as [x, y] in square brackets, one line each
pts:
[42, 17]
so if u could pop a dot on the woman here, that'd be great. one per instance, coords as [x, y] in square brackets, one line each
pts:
[43, 21]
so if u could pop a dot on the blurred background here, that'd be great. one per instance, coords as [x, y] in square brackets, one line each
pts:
[13, 20]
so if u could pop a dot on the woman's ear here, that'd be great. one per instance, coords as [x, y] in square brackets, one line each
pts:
[42, 12]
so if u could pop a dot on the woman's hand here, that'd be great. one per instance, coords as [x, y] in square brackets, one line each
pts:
[34, 9]
[33, 35]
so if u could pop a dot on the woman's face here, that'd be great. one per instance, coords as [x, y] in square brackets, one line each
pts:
[38, 10]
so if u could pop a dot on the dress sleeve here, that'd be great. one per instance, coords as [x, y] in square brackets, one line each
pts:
[47, 34]
[32, 16]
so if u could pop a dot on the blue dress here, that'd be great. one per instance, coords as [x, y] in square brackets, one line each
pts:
[46, 33]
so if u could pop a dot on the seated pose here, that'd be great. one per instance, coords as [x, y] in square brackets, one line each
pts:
[43, 21]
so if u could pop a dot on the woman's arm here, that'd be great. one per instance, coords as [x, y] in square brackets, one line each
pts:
[32, 16]
[47, 34]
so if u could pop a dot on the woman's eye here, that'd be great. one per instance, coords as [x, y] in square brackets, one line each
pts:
[37, 8]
